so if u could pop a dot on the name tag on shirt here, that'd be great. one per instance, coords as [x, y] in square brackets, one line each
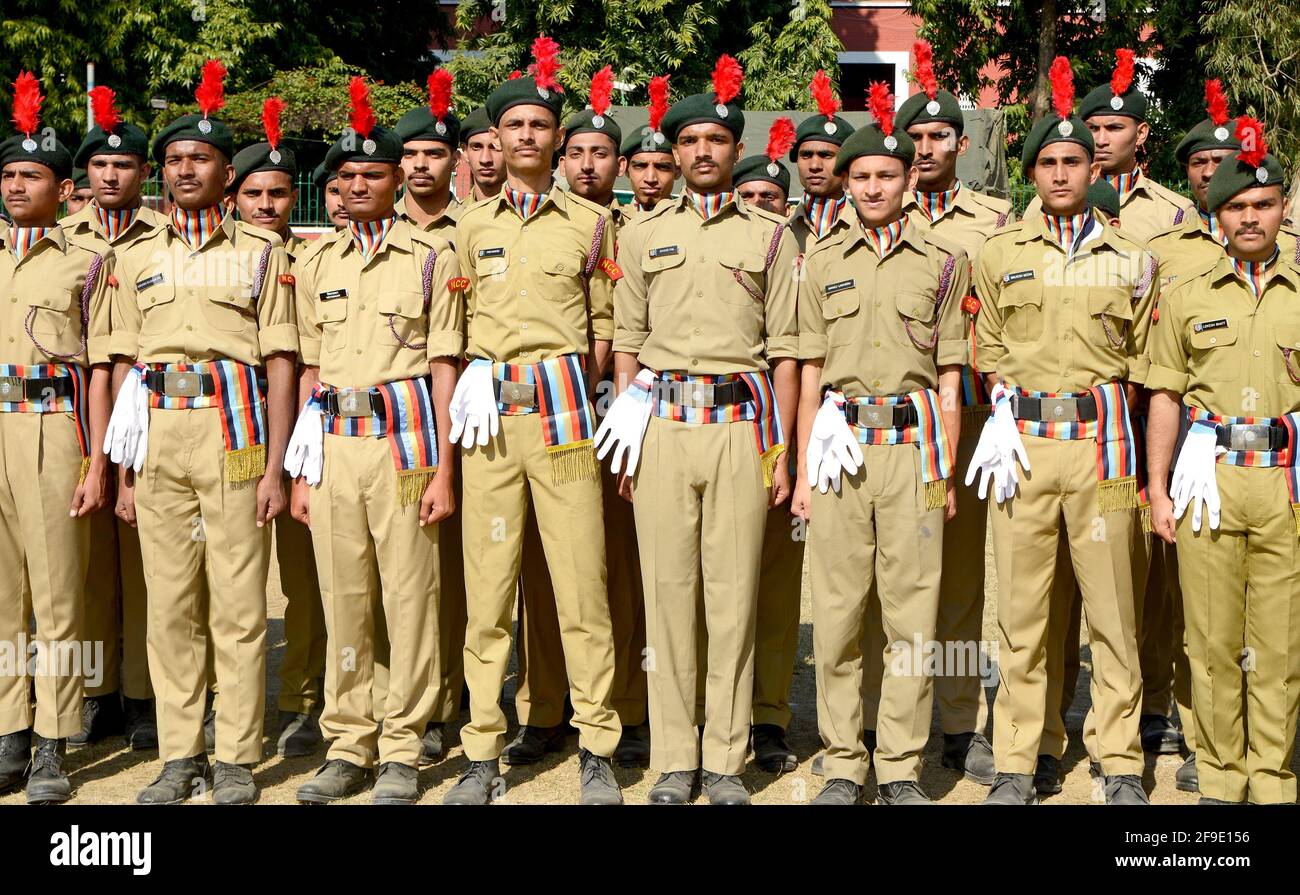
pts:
[1221, 323]
[663, 250]
[498, 252]
[333, 294]
[832, 288]
[1009, 278]
[144, 284]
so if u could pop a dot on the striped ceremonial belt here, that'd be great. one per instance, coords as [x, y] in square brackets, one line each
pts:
[238, 393]
[402, 412]
[1140, 449]
[938, 451]
[1113, 432]
[975, 407]
[1285, 458]
[761, 410]
[74, 403]
[568, 422]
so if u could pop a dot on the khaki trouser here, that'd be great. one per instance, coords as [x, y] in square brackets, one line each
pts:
[1062, 489]
[44, 553]
[303, 663]
[371, 549]
[1064, 617]
[449, 676]
[116, 606]
[182, 500]
[776, 637]
[875, 531]
[500, 482]
[1241, 593]
[701, 512]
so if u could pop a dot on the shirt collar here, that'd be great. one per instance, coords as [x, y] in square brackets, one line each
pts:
[53, 233]
[554, 196]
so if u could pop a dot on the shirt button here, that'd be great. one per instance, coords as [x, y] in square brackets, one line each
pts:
[694, 363]
[361, 308]
[523, 291]
[523, 260]
[189, 328]
[703, 259]
[523, 326]
[1066, 300]
[876, 343]
[1213, 340]
[358, 351]
[697, 330]
[1066, 337]
[699, 293]
[875, 383]
[1256, 354]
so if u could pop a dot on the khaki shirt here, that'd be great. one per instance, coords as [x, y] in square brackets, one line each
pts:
[864, 316]
[443, 225]
[528, 299]
[680, 305]
[1223, 350]
[49, 282]
[1188, 246]
[85, 225]
[969, 223]
[803, 234]
[346, 305]
[177, 306]
[1040, 324]
[1149, 209]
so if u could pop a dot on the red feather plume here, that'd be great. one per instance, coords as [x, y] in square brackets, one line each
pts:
[823, 94]
[271, 110]
[27, 103]
[1062, 79]
[1122, 78]
[658, 100]
[546, 63]
[362, 118]
[440, 92]
[514, 75]
[602, 88]
[880, 103]
[727, 78]
[924, 71]
[103, 107]
[211, 92]
[780, 137]
[1216, 103]
[1250, 132]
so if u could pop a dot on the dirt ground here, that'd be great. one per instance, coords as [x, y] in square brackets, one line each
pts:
[108, 773]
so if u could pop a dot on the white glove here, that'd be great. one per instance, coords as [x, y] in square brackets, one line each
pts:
[141, 427]
[832, 446]
[305, 455]
[623, 428]
[122, 437]
[1194, 476]
[474, 407]
[998, 450]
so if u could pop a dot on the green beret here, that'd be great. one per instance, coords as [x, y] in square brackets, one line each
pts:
[1235, 176]
[321, 176]
[80, 179]
[523, 91]
[1103, 101]
[760, 167]
[197, 128]
[383, 145]
[261, 157]
[1051, 128]
[871, 140]
[475, 123]
[47, 151]
[126, 139]
[821, 129]
[920, 109]
[644, 140]
[584, 122]
[419, 124]
[700, 108]
[1103, 196]
[1206, 135]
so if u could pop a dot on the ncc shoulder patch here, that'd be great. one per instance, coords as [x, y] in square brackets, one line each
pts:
[1221, 323]
[458, 284]
[611, 268]
[971, 305]
[1009, 278]
[286, 279]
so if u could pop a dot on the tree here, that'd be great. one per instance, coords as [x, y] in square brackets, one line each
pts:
[782, 58]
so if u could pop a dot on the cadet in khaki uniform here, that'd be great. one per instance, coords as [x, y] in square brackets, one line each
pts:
[381, 318]
[1065, 302]
[886, 519]
[431, 136]
[206, 311]
[54, 294]
[706, 310]
[328, 183]
[265, 194]
[646, 157]
[540, 301]
[115, 589]
[487, 167]
[1227, 381]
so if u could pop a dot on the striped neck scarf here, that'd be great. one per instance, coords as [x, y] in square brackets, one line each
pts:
[936, 205]
[195, 228]
[524, 204]
[709, 204]
[821, 212]
[1211, 224]
[21, 239]
[1255, 274]
[113, 223]
[1068, 230]
[885, 239]
[369, 235]
[1125, 184]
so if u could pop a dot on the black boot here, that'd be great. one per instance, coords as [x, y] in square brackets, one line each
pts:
[15, 755]
[101, 717]
[180, 779]
[47, 784]
[141, 725]
[532, 744]
[971, 754]
[771, 752]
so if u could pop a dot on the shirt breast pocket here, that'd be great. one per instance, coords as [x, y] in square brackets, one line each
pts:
[748, 272]
[402, 313]
[230, 309]
[1021, 305]
[155, 302]
[52, 320]
[1287, 337]
[661, 289]
[841, 312]
[1111, 311]
[562, 281]
[491, 272]
[333, 316]
[1213, 357]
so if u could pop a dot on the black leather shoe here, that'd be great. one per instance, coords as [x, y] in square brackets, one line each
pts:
[1185, 778]
[337, 779]
[1047, 776]
[232, 785]
[771, 752]
[15, 755]
[1125, 789]
[140, 724]
[838, 792]
[971, 754]
[598, 784]
[674, 788]
[397, 784]
[902, 792]
[180, 779]
[300, 735]
[532, 744]
[101, 717]
[724, 789]
[1012, 789]
[46, 783]
[476, 786]
[1159, 736]
[432, 747]
[633, 750]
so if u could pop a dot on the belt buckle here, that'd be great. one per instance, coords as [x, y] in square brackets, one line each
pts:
[699, 394]
[876, 416]
[353, 402]
[12, 389]
[1053, 410]
[518, 394]
[183, 384]
[1248, 437]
